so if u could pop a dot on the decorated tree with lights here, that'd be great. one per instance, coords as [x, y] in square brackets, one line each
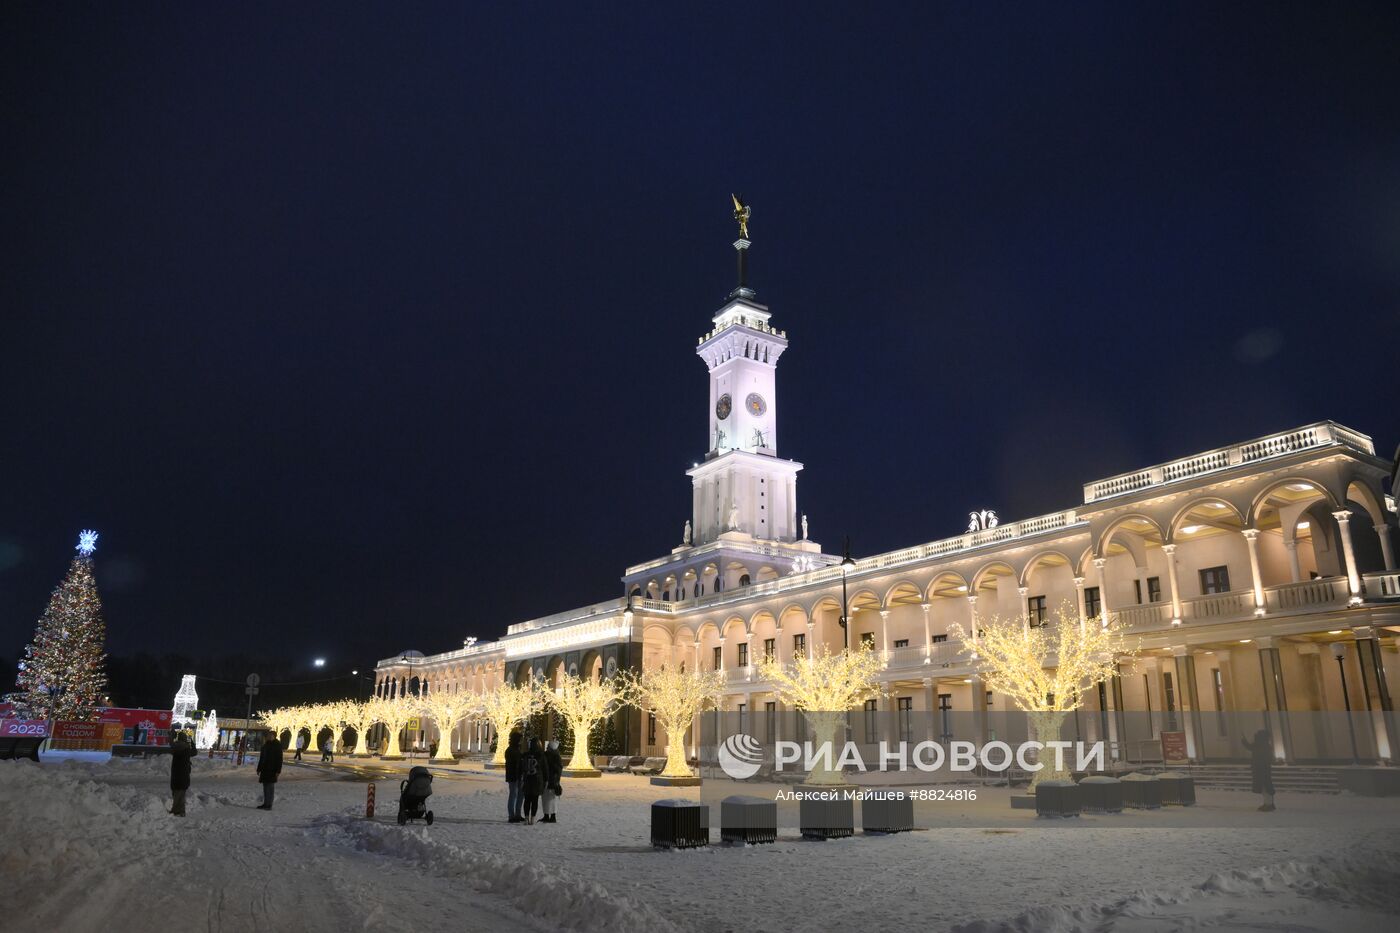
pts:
[1044, 670]
[394, 714]
[826, 687]
[675, 697]
[63, 674]
[360, 717]
[507, 706]
[584, 701]
[278, 721]
[446, 710]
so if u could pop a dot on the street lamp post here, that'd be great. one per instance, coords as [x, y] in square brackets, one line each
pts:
[846, 565]
[1339, 651]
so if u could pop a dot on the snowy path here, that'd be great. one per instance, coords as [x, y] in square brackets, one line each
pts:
[314, 864]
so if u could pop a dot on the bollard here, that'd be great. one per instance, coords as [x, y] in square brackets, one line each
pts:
[369, 803]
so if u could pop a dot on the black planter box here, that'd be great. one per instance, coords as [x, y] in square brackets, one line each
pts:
[679, 824]
[748, 819]
[1142, 792]
[828, 819]
[1057, 798]
[887, 812]
[1177, 789]
[1101, 795]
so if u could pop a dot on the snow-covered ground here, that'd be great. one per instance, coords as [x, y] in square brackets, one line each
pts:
[88, 845]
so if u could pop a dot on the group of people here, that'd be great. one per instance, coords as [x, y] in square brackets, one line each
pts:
[531, 773]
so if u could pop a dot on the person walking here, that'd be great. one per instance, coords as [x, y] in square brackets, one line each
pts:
[553, 774]
[181, 751]
[301, 743]
[269, 766]
[513, 779]
[532, 779]
[1261, 767]
[328, 749]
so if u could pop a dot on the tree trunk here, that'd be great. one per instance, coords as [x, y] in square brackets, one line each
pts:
[1046, 725]
[825, 727]
[580, 761]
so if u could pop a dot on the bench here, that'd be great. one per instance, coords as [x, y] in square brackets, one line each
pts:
[20, 746]
[648, 766]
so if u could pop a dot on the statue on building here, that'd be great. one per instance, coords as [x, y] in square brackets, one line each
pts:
[734, 517]
[685, 536]
[981, 521]
[741, 214]
[804, 526]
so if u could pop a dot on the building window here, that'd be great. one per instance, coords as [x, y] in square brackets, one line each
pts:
[799, 644]
[719, 656]
[901, 643]
[1091, 601]
[1215, 580]
[1035, 611]
[770, 648]
[905, 705]
[770, 719]
[867, 640]
[743, 654]
[939, 639]
[666, 595]
[743, 708]
[651, 729]
[1137, 591]
[1154, 589]
[945, 716]
[1219, 686]
[744, 580]
[1169, 700]
[872, 721]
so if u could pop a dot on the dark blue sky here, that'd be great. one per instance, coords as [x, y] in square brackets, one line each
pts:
[354, 330]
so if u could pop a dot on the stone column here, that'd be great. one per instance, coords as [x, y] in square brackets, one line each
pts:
[931, 705]
[1170, 551]
[748, 673]
[697, 655]
[1275, 700]
[1190, 703]
[1311, 655]
[721, 653]
[1294, 570]
[928, 635]
[1383, 532]
[1378, 701]
[811, 638]
[885, 634]
[979, 710]
[1343, 517]
[1079, 601]
[1024, 592]
[972, 611]
[1251, 536]
[1117, 724]
[1101, 565]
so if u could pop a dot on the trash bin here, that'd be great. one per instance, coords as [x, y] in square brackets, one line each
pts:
[679, 824]
[1177, 789]
[1099, 794]
[1057, 798]
[824, 818]
[1141, 791]
[748, 819]
[887, 811]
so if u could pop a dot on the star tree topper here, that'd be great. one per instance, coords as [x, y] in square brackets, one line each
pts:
[87, 542]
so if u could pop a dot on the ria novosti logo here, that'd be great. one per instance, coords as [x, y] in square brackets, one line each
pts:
[740, 756]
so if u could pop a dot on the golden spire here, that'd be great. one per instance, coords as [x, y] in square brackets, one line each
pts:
[741, 214]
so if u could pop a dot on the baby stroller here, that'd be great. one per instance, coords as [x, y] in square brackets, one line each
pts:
[412, 796]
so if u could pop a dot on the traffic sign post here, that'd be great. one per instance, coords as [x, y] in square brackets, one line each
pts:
[252, 691]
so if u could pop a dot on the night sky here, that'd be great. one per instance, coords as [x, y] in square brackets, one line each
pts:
[361, 330]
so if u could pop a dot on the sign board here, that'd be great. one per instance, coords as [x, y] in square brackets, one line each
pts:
[153, 723]
[24, 728]
[1174, 748]
[90, 736]
[412, 725]
[253, 680]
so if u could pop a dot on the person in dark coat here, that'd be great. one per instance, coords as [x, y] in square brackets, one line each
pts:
[513, 779]
[532, 770]
[269, 766]
[553, 774]
[1261, 766]
[181, 751]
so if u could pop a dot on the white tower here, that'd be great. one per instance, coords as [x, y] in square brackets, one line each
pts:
[743, 487]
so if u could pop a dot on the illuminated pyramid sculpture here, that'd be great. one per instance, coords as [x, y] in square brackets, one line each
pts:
[208, 732]
[186, 702]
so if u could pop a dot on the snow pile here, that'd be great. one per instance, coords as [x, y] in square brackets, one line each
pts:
[155, 765]
[56, 824]
[555, 897]
[1360, 879]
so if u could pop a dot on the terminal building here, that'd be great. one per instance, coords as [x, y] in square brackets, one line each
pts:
[1258, 576]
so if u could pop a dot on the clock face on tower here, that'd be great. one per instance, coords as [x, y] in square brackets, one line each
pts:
[755, 404]
[723, 406]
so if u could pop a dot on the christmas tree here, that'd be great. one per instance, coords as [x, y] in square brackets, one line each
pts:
[63, 674]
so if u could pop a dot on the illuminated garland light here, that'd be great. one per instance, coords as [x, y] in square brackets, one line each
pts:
[1014, 656]
[87, 542]
[675, 697]
[826, 686]
[186, 702]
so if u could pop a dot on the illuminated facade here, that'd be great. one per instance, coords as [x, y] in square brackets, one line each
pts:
[1258, 576]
